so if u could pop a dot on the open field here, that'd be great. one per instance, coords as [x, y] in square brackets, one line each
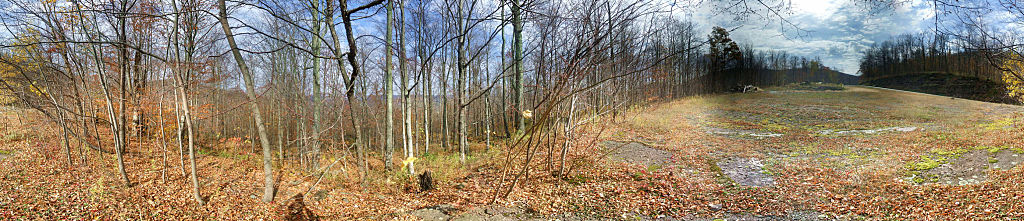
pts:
[860, 152]
[785, 153]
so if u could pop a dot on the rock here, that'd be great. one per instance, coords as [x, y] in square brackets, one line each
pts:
[736, 133]
[439, 212]
[969, 168]
[746, 172]
[867, 131]
[750, 88]
[430, 214]
[745, 89]
[715, 207]
[490, 213]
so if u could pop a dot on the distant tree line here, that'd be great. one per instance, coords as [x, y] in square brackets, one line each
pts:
[928, 53]
[716, 63]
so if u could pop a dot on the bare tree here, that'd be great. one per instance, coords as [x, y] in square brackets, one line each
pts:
[389, 123]
[250, 92]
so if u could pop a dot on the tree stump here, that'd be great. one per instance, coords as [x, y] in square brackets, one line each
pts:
[426, 181]
[296, 210]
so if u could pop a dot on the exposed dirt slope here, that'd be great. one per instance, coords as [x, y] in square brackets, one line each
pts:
[948, 85]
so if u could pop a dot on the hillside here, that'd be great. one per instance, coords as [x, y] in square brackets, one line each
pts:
[815, 75]
[735, 79]
[953, 85]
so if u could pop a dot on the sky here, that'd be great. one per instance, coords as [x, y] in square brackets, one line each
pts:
[835, 30]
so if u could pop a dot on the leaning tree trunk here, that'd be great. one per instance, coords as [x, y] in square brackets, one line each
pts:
[250, 92]
[109, 106]
[186, 113]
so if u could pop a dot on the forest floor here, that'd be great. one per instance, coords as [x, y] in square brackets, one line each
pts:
[805, 153]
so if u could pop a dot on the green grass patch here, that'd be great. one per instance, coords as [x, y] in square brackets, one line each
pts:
[772, 124]
[992, 150]
[999, 124]
[922, 178]
[918, 180]
[719, 174]
[942, 136]
[1017, 150]
[927, 163]
[941, 156]
[950, 153]
[443, 167]
[653, 167]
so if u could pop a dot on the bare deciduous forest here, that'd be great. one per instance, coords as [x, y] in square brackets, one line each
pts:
[511, 110]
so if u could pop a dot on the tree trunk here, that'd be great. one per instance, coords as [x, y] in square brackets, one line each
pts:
[389, 121]
[186, 113]
[445, 133]
[517, 62]
[568, 135]
[163, 135]
[317, 97]
[250, 92]
[109, 104]
[461, 84]
[404, 75]
[346, 18]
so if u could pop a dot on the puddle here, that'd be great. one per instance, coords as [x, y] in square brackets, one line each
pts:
[868, 131]
[969, 168]
[746, 172]
[637, 153]
[740, 133]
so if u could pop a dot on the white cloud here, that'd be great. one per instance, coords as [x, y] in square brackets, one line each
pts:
[837, 31]
[818, 8]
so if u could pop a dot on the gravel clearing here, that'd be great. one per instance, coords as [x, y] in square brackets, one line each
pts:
[740, 133]
[746, 172]
[637, 153]
[969, 168]
[868, 131]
